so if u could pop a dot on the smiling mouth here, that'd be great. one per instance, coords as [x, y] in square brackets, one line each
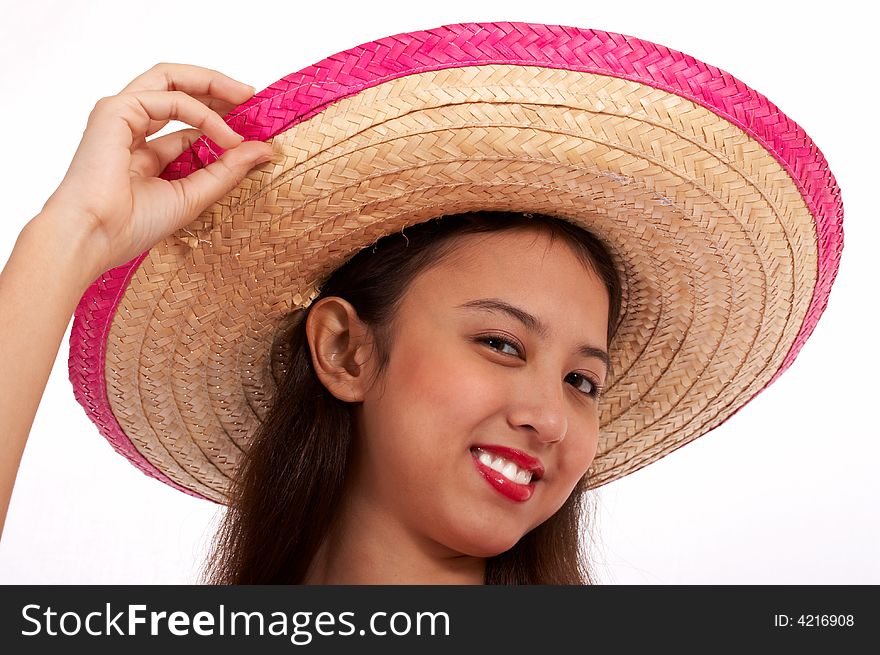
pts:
[507, 467]
[510, 482]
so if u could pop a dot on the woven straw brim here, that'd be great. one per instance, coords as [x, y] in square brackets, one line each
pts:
[717, 247]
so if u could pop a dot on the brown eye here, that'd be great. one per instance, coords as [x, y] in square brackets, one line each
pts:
[585, 385]
[498, 343]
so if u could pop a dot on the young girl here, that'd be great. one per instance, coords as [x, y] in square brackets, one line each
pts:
[464, 291]
[430, 339]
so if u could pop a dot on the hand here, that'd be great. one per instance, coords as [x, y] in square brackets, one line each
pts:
[112, 184]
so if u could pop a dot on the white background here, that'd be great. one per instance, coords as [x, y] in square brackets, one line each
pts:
[784, 492]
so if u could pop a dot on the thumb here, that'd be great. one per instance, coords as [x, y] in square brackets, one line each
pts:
[207, 185]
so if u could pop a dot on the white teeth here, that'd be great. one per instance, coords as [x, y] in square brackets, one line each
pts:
[523, 477]
[506, 468]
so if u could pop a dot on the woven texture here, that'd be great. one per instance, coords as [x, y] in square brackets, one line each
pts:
[650, 149]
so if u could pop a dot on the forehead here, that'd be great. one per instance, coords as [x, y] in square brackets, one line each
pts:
[522, 267]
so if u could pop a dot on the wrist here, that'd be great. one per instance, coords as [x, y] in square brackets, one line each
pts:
[73, 242]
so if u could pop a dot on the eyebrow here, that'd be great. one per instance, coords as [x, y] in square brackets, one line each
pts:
[532, 323]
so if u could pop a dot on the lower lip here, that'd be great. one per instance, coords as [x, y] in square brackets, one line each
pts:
[519, 493]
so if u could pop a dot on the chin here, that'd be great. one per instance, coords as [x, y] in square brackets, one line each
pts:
[485, 542]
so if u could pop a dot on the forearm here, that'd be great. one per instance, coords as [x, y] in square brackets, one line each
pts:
[48, 271]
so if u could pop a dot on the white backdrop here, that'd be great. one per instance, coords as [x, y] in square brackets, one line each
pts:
[784, 492]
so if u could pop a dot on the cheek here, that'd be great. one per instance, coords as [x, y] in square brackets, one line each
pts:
[429, 407]
[450, 383]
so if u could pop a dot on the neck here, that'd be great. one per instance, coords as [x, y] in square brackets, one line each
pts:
[365, 548]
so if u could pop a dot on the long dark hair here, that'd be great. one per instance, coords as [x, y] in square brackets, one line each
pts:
[286, 496]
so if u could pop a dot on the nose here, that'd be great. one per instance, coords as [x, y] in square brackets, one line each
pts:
[541, 407]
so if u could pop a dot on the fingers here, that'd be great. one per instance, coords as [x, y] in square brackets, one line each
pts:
[135, 111]
[207, 185]
[216, 90]
[193, 80]
[151, 158]
[220, 106]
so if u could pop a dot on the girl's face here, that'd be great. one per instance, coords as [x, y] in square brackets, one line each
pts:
[500, 345]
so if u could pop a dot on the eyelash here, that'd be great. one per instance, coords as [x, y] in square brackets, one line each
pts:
[486, 339]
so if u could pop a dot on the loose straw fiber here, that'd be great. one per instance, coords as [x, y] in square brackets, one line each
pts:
[720, 212]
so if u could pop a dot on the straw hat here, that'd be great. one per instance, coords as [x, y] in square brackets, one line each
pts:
[720, 212]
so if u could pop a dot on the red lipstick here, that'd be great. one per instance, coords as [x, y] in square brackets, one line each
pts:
[512, 490]
[518, 457]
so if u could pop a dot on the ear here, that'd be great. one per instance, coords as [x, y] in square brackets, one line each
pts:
[341, 345]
